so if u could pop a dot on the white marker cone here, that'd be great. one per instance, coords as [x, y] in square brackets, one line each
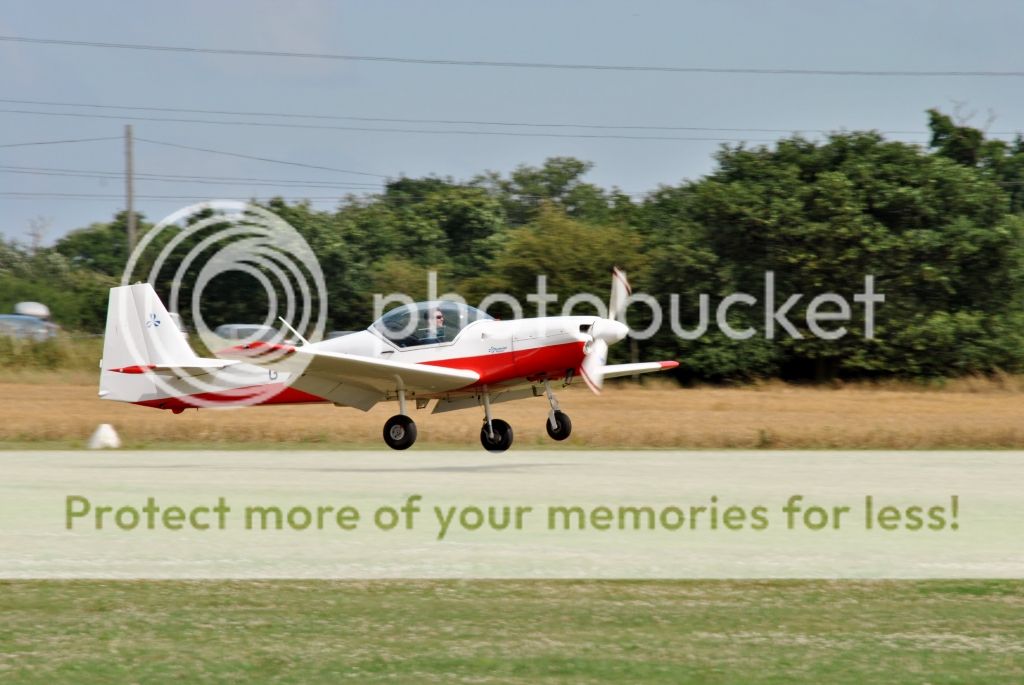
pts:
[104, 437]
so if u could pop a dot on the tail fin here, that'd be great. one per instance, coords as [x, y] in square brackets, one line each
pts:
[140, 340]
[140, 330]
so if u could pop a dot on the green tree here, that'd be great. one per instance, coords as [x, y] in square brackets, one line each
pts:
[101, 247]
[574, 256]
[933, 232]
[557, 183]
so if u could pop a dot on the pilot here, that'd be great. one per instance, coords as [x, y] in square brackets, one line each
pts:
[438, 325]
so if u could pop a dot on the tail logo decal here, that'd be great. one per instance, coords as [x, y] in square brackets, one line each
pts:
[153, 321]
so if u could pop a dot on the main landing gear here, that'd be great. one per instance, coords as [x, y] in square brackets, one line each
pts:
[400, 430]
[495, 436]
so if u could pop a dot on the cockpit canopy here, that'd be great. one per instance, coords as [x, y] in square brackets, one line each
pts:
[427, 323]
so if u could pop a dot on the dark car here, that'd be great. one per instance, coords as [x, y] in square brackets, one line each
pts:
[242, 331]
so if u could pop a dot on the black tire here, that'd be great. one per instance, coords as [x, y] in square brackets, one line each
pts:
[563, 427]
[400, 432]
[502, 436]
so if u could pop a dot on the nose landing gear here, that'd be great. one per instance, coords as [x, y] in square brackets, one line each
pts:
[558, 424]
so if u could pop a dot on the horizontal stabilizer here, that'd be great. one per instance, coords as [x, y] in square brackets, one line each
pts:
[198, 366]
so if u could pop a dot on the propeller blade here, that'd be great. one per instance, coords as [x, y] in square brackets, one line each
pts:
[620, 293]
[592, 368]
[605, 332]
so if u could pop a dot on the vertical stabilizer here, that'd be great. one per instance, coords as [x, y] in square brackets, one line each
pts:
[140, 334]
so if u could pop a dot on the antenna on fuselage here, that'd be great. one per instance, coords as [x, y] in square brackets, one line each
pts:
[297, 334]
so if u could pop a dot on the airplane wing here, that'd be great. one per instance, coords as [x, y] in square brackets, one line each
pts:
[380, 374]
[368, 373]
[532, 389]
[350, 379]
[617, 370]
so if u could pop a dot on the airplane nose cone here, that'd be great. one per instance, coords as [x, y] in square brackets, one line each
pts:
[619, 331]
[610, 330]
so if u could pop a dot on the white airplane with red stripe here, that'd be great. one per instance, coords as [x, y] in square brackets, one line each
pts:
[443, 352]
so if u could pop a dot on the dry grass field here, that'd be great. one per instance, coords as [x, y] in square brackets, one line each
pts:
[62, 410]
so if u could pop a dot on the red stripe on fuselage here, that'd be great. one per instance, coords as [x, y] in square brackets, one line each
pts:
[284, 395]
[551, 361]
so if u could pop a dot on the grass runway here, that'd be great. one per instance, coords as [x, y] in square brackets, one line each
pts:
[513, 632]
[755, 632]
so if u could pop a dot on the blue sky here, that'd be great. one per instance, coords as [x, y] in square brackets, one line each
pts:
[934, 35]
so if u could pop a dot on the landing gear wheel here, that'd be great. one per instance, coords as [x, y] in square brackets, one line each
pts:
[563, 426]
[502, 436]
[400, 432]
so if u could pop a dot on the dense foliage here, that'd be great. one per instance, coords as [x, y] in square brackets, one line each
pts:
[939, 229]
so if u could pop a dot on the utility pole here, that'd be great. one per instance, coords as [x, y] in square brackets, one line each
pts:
[129, 190]
[37, 230]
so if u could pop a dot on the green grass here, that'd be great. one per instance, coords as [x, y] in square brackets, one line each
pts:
[63, 353]
[512, 632]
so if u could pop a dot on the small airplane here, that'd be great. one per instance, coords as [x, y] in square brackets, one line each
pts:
[439, 350]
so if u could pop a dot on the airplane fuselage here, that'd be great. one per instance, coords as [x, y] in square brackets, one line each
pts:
[502, 353]
[499, 351]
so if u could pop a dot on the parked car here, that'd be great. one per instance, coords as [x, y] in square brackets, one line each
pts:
[22, 327]
[36, 310]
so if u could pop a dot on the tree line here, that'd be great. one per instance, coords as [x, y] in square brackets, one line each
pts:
[938, 227]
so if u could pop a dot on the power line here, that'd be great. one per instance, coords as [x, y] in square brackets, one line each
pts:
[513, 64]
[154, 200]
[369, 129]
[259, 159]
[104, 196]
[219, 180]
[179, 178]
[334, 200]
[34, 195]
[60, 142]
[456, 122]
[182, 176]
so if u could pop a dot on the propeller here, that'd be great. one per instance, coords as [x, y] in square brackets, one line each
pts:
[605, 332]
